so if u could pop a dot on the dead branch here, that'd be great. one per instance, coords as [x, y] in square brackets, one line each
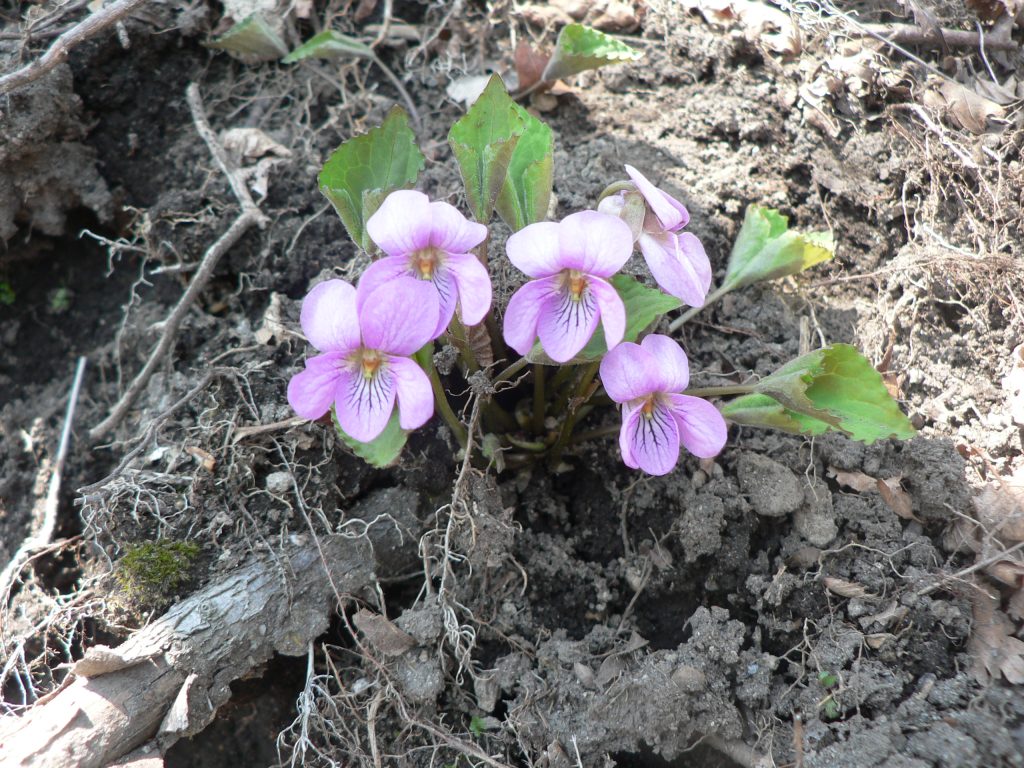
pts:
[168, 679]
[250, 215]
[44, 518]
[910, 34]
[90, 26]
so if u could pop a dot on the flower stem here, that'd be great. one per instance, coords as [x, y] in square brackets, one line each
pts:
[441, 397]
[538, 399]
[593, 434]
[460, 339]
[582, 394]
[735, 389]
[714, 296]
[512, 370]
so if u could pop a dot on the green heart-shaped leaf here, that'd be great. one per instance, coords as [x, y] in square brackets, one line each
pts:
[838, 386]
[330, 45]
[366, 169]
[580, 48]
[483, 141]
[766, 248]
[763, 411]
[526, 192]
[382, 451]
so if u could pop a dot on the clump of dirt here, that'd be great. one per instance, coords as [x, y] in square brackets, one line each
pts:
[48, 169]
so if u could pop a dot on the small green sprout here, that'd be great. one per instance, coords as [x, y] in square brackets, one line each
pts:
[6, 293]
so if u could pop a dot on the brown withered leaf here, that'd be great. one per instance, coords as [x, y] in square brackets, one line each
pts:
[889, 488]
[990, 10]
[845, 588]
[1015, 607]
[384, 636]
[858, 481]
[1009, 572]
[964, 107]
[480, 344]
[895, 497]
[993, 648]
[530, 65]
[1000, 507]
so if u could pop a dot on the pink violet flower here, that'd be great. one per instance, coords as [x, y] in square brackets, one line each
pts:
[431, 242]
[647, 379]
[569, 295]
[676, 259]
[365, 339]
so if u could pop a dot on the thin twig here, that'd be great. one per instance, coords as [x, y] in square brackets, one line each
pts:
[250, 215]
[90, 26]
[909, 34]
[45, 523]
[945, 579]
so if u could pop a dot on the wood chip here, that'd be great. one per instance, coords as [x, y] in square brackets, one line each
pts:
[845, 588]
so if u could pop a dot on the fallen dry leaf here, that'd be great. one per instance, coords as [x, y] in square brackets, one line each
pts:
[382, 634]
[757, 19]
[845, 588]
[896, 498]
[1000, 507]
[891, 491]
[858, 481]
[964, 107]
[251, 144]
[990, 10]
[530, 65]
[993, 648]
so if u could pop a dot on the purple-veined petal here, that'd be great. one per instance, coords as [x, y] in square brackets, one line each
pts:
[364, 405]
[613, 311]
[672, 270]
[672, 366]
[566, 324]
[329, 317]
[629, 372]
[670, 212]
[629, 415]
[701, 427]
[653, 439]
[311, 391]
[402, 224]
[451, 231]
[380, 273]
[534, 249]
[415, 397]
[594, 243]
[693, 252]
[474, 285]
[523, 312]
[448, 297]
[399, 317]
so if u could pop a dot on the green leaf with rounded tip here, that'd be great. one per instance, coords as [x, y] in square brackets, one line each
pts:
[762, 411]
[580, 48]
[251, 40]
[366, 169]
[837, 385]
[643, 306]
[526, 192]
[330, 45]
[483, 141]
[382, 451]
[766, 248]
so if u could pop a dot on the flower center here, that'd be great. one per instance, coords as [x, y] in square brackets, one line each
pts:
[425, 261]
[577, 282]
[370, 361]
[647, 409]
